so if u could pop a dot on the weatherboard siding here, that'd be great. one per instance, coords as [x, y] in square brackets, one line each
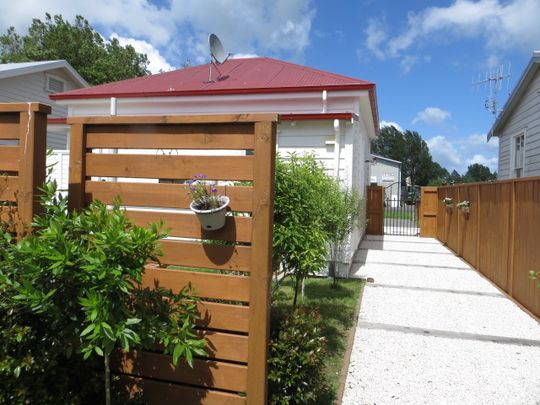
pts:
[525, 116]
[31, 88]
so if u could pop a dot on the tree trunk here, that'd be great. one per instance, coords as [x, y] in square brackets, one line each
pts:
[107, 379]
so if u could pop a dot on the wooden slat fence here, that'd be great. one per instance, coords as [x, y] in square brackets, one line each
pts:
[23, 144]
[107, 161]
[500, 236]
[428, 212]
[375, 210]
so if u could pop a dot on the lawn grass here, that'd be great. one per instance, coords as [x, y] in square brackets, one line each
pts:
[398, 215]
[337, 307]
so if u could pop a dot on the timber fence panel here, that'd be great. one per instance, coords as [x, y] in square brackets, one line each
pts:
[23, 149]
[429, 210]
[500, 236]
[375, 210]
[145, 161]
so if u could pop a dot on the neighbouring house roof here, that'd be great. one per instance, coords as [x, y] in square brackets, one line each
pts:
[17, 69]
[517, 93]
[379, 157]
[238, 76]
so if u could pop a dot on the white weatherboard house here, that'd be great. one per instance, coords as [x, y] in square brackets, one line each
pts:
[333, 116]
[36, 81]
[518, 126]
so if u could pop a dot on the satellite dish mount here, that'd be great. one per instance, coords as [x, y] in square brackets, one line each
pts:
[217, 55]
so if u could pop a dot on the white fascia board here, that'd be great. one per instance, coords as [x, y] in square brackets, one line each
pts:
[284, 103]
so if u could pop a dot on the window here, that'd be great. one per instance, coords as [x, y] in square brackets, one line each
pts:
[518, 154]
[54, 85]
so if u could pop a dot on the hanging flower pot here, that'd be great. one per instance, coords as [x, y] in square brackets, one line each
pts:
[210, 207]
[448, 204]
[464, 206]
[214, 218]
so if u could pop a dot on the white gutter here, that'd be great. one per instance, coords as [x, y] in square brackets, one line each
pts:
[324, 101]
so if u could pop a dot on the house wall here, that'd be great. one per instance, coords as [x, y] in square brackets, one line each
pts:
[386, 174]
[525, 116]
[32, 87]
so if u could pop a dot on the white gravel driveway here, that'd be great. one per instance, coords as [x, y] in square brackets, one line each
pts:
[433, 331]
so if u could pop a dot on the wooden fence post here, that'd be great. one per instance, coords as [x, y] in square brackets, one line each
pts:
[511, 245]
[32, 160]
[259, 307]
[77, 167]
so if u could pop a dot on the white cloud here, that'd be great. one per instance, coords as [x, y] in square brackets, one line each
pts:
[444, 153]
[384, 124]
[180, 28]
[480, 140]
[375, 38]
[244, 55]
[503, 25]
[431, 115]
[157, 62]
[408, 62]
[481, 159]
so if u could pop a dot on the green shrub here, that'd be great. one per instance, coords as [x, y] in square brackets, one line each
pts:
[296, 367]
[72, 291]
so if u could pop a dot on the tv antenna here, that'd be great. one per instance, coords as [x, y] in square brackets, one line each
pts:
[494, 80]
[217, 56]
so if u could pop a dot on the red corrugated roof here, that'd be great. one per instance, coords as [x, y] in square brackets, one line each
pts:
[239, 76]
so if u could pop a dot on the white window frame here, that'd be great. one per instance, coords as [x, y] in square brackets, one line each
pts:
[513, 167]
[49, 76]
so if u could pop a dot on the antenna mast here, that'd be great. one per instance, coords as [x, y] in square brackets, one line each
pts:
[493, 80]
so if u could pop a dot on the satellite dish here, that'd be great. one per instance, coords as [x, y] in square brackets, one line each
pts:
[217, 56]
[216, 49]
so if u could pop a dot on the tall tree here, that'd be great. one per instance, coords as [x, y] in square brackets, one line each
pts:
[412, 151]
[478, 172]
[84, 48]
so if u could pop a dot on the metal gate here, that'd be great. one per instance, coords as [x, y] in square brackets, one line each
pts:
[401, 210]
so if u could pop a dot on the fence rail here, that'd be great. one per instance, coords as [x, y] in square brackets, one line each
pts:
[23, 140]
[499, 236]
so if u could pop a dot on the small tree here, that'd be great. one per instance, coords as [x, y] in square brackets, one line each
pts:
[300, 240]
[343, 214]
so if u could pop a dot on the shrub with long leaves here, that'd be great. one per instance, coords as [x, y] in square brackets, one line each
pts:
[72, 290]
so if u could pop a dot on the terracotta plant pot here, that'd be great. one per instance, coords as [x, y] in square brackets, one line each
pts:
[214, 219]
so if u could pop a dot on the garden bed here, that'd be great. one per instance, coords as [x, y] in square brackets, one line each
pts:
[338, 308]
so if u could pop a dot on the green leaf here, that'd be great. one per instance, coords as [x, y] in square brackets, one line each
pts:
[88, 329]
[98, 350]
[133, 321]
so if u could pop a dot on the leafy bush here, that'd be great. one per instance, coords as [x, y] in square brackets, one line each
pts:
[296, 368]
[72, 291]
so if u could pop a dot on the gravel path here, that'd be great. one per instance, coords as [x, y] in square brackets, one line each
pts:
[433, 331]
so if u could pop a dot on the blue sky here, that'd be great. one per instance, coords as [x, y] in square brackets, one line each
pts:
[422, 54]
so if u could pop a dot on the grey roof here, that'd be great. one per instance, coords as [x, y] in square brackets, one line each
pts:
[517, 93]
[17, 69]
[385, 158]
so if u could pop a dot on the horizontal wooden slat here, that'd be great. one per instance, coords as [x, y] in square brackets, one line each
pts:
[233, 318]
[23, 107]
[9, 126]
[207, 285]
[205, 373]
[226, 346]
[161, 195]
[176, 137]
[9, 158]
[186, 225]
[190, 254]
[159, 393]
[8, 187]
[169, 167]
[175, 119]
